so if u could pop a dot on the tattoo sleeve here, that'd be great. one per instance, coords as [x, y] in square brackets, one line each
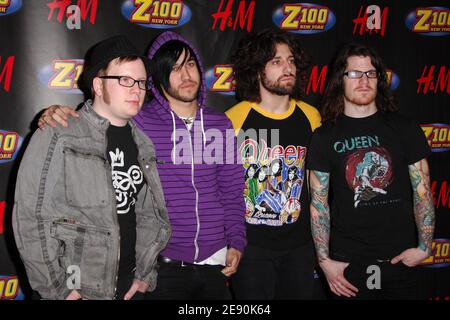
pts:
[423, 203]
[320, 213]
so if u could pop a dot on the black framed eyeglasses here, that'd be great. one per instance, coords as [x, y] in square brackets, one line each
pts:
[356, 74]
[128, 82]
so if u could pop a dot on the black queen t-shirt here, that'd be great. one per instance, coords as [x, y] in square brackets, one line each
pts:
[371, 195]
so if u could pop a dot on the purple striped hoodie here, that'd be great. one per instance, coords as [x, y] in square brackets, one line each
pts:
[204, 201]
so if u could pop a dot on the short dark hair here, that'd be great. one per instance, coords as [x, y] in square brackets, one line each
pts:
[262, 168]
[255, 168]
[280, 163]
[293, 169]
[332, 104]
[164, 60]
[252, 55]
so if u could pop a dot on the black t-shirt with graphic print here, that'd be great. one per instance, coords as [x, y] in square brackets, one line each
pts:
[127, 181]
[372, 206]
[276, 196]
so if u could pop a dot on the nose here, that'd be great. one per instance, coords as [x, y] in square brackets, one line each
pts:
[135, 87]
[287, 66]
[364, 78]
[185, 73]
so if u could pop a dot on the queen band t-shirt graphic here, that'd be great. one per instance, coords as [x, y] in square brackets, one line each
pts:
[273, 149]
[368, 173]
[273, 182]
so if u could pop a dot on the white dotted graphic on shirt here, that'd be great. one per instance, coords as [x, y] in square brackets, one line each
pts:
[124, 182]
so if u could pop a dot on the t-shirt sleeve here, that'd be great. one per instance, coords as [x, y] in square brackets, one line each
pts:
[417, 147]
[318, 158]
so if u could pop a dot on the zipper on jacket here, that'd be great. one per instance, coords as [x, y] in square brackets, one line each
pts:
[196, 196]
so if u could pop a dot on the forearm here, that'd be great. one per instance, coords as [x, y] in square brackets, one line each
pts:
[320, 213]
[235, 228]
[423, 204]
[231, 189]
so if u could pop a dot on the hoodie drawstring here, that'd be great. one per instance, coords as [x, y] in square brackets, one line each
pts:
[174, 134]
[203, 128]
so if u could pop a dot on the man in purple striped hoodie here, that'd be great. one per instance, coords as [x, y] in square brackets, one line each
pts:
[201, 178]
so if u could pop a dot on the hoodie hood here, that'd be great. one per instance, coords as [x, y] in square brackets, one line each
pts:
[157, 43]
[206, 214]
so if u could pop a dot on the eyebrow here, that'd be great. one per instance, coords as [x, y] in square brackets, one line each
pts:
[279, 57]
[191, 58]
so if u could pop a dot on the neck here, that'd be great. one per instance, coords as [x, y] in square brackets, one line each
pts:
[273, 103]
[102, 109]
[359, 111]
[183, 109]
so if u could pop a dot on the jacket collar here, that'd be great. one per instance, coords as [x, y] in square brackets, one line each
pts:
[94, 118]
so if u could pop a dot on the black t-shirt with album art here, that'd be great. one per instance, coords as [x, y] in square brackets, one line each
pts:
[273, 150]
[127, 181]
[371, 195]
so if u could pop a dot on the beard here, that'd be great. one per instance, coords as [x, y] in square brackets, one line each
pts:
[361, 99]
[276, 87]
[175, 93]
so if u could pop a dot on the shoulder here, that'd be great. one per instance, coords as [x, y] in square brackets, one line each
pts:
[400, 121]
[216, 119]
[140, 134]
[238, 113]
[238, 108]
[325, 130]
[311, 113]
[74, 126]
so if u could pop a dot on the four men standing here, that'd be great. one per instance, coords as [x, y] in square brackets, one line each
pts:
[362, 144]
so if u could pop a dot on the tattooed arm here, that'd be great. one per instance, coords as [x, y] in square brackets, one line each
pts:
[320, 212]
[423, 203]
[320, 227]
[423, 213]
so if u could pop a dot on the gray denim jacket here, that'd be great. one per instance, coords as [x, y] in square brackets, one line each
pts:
[65, 210]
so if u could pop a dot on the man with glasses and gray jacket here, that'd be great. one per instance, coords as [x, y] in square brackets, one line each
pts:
[89, 215]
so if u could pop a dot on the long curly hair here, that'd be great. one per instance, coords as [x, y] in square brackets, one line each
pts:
[332, 104]
[252, 55]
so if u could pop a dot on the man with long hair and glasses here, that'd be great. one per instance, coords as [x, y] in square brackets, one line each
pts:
[271, 71]
[380, 220]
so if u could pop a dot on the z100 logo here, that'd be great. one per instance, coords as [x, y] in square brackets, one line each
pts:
[158, 14]
[305, 18]
[62, 75]
[220, 79]
[9, 6]
[438, 136]
[431, 21]
[9, 288]
[441, 254]
[371, 20]
[10, 143]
